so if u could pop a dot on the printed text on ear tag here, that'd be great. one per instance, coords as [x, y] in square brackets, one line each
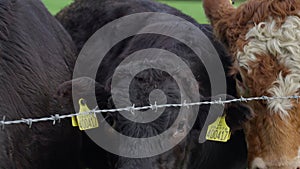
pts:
[218, 131]
[86, 121]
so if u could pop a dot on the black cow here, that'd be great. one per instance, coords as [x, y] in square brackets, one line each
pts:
[82, 19]
[35, 57]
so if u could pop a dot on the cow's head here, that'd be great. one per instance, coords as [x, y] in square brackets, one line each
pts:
[263, 36]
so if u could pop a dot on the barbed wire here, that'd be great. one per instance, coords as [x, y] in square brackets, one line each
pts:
[57, 117]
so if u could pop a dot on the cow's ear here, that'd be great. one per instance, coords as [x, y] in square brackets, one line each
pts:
[237, 114]
[71, 91]
[219, 13]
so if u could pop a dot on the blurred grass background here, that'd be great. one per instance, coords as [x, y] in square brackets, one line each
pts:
[189, 7]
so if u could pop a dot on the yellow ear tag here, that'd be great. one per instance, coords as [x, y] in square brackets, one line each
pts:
[74, 122]
[86, 121]
[231, 1]
[218, 131]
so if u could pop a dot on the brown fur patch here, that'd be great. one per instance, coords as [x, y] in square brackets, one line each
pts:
[271, 137]
[264, 72]
[231, 25]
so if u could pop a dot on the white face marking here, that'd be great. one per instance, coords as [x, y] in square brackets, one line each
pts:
[279, 163]
[258, 163]
[283, 43]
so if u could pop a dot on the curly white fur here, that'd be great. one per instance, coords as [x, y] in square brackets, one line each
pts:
[283, 43]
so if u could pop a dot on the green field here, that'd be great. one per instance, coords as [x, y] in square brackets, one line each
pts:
[192, 8]
[56, 5]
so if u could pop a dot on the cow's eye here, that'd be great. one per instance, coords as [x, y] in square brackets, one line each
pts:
[239, 77]
[242, 89]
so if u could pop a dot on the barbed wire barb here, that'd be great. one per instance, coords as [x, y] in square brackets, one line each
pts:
[28, 122]
[243, 99]
[56, 117]
[154, 107]
[3, 123]
[185, 104]
[132, 109]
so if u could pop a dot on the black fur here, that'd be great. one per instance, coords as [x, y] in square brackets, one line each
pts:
[85, 17]
[36, 54]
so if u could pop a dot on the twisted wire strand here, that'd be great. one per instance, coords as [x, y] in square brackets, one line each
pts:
[57, 117]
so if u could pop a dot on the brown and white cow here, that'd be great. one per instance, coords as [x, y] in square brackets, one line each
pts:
[264, 38]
